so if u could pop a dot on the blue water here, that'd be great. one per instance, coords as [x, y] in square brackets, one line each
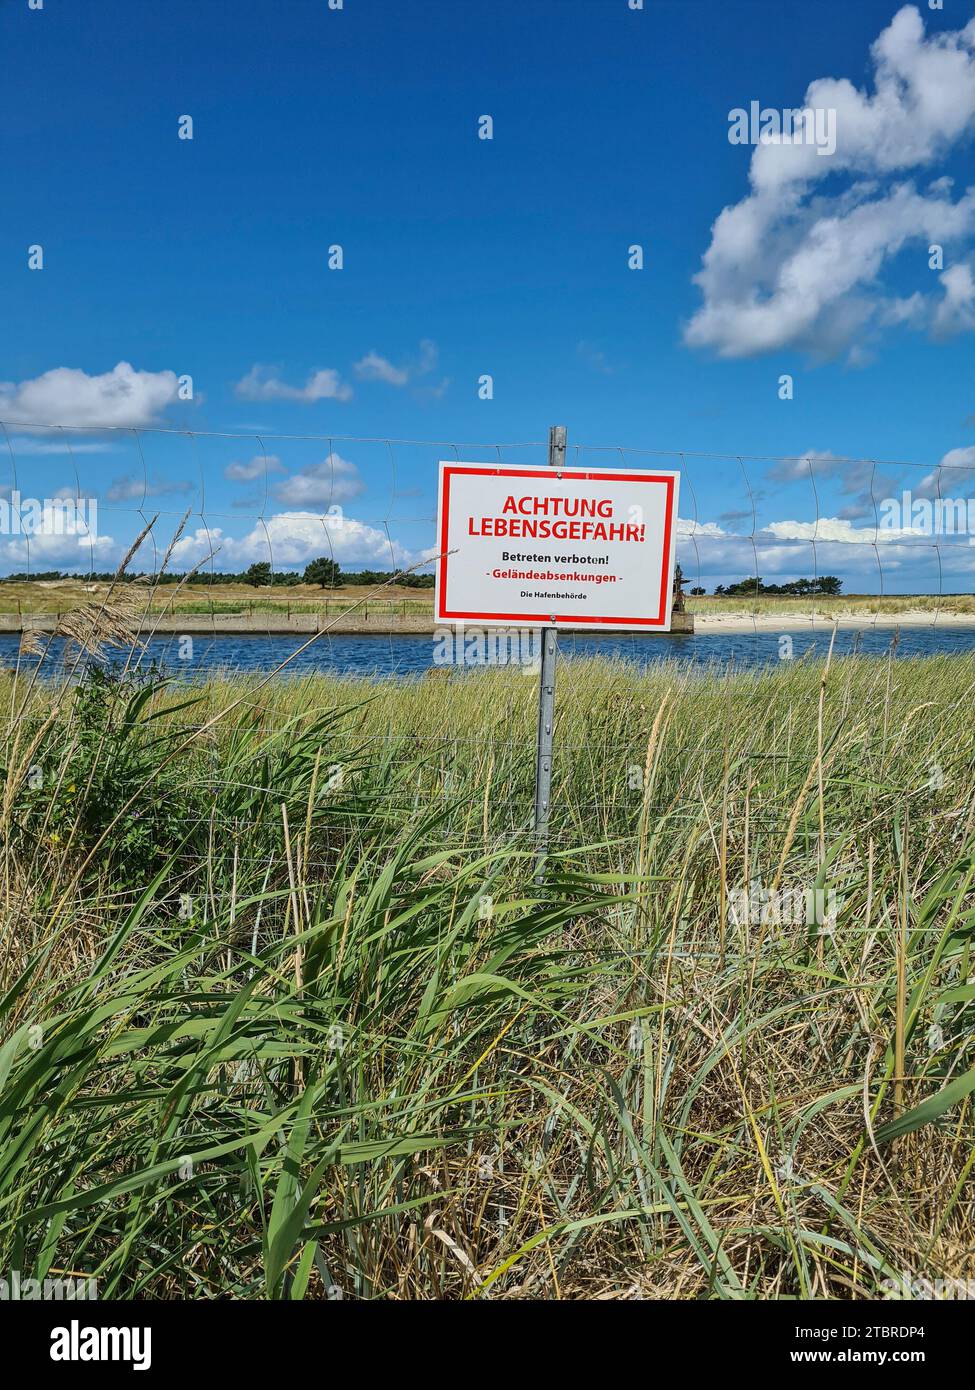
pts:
[411, 655]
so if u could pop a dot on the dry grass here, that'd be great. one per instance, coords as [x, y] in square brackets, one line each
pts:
[64, 595]
[848, 605]
[305, 1027]
[61, 596]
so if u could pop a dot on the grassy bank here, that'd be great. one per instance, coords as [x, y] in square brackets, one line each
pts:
[54, 596]
[392, 601]
[285, 1013]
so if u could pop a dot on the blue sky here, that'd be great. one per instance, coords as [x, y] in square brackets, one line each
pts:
[464, 257]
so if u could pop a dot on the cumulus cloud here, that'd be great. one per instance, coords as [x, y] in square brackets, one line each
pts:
[372, 367]
[262, 384]
[952, 476]
[832, 528]
[866, 558]
[840, 530]
[257, 467]
[956, 311]
[375, 367]
[959, 458]
[122, 397]
[796, 265]
[699, 530]
[335, 479]
[290, 539]
[64, 542]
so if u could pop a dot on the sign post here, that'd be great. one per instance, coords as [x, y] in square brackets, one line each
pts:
[546, 698]
[555, 548]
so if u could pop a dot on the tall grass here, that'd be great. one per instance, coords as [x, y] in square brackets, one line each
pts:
[285, 1014]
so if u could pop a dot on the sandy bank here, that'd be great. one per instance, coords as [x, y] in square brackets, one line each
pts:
[787, 622]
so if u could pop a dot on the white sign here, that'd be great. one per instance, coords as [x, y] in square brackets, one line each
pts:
[568, 548]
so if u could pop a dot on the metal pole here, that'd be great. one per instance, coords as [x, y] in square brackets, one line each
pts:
[546, 700]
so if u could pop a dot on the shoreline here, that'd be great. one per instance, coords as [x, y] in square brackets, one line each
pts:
[685, 624]
[304, 624]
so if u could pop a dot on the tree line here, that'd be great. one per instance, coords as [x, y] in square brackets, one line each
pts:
[324, 572]
[796, 588]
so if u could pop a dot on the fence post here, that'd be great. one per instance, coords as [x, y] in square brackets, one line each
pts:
[546, 700]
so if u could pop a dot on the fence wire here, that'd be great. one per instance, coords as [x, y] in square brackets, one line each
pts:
[370, 503]
[222, 501]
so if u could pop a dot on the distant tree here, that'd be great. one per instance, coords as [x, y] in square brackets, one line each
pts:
[793, 588]
[323, 572]
[697, 591]
[258, 575]
[751, 585]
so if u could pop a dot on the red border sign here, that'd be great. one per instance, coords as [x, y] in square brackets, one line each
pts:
[443, 612]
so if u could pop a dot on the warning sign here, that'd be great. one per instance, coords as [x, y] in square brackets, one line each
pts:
[569, 548]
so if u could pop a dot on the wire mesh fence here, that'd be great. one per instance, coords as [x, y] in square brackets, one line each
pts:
[238, 499]
[215, 507]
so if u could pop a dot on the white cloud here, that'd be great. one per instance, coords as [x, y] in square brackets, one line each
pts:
[959, 458]
[372, 367]
[335, 479]
[699, 530]
[951, 477]
[793, 265]
[375, 367]
[257, 467]
[956, 312]
[834, 528]
[64, 542]
[866, 560]
[122, 397]
[261, 384]
[290, 539]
